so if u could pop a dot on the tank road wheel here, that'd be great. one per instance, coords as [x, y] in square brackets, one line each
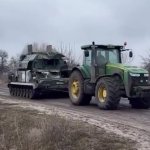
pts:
[140, 103]
[76, 90]
[15, 91]
[11, 91]
[27, 93]
[23, 92]
[18, 91]
[107, 93]
[31, 94]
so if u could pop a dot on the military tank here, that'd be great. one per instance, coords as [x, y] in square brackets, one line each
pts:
[39, 73]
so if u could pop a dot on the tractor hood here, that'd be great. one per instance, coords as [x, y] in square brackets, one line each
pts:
[126, 68]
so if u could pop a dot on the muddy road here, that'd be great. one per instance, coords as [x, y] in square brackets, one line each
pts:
[125, 121]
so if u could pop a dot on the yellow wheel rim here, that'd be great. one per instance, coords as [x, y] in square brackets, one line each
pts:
[75, 89]
[102, 94]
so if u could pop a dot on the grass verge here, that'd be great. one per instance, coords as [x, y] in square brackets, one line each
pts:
[22, 129]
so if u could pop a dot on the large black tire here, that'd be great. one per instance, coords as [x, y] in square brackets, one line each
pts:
[140, 103]
[107, 93]
[80, 98]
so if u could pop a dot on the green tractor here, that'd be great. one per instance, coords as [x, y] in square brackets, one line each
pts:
[103, 75]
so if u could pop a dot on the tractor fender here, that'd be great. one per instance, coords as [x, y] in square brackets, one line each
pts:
[122, 85]
[112, 75]
[82, 70]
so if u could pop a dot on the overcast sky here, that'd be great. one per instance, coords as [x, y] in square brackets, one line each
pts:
[75, 22]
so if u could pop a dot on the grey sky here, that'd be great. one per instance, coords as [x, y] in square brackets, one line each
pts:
[75, 22]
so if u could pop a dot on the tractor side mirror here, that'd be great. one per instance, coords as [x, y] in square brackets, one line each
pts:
[86, 53]
[130, 54]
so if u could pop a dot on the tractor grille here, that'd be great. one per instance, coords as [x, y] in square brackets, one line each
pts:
[139, 81]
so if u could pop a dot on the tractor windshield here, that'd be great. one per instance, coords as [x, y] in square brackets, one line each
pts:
[108, 56]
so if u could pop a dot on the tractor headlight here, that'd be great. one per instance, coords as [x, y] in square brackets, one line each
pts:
[146, 75]
[134, 74]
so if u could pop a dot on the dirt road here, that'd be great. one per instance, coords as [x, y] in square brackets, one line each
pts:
[125, 121]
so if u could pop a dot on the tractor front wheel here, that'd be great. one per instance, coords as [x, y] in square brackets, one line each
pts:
[107, 93]
[76, 89]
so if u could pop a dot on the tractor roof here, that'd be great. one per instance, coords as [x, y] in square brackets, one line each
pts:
[85, 47]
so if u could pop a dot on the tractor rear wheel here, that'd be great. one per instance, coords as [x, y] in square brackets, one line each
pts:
[76, 90]
[107, 93]
[140, 103]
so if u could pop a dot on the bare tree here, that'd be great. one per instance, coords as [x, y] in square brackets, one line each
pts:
[146, 62]
[68, 52]
[13, 64]
[3, 60]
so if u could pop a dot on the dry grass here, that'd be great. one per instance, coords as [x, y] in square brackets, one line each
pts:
[28, 130]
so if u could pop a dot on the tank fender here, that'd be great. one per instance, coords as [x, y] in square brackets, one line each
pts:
[22, 84]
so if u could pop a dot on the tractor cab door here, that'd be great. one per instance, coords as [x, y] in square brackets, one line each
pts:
[101, 60]
[87, 60]
[95, 63]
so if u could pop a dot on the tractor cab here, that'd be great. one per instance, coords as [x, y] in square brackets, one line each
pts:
[102, 54]
[97, 57]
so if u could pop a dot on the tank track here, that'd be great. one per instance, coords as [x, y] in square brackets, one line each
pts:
[23, 91]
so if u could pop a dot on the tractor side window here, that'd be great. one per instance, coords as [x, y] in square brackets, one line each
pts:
[87, 60]
[113, 56]
[102, 53]
[101, 57]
